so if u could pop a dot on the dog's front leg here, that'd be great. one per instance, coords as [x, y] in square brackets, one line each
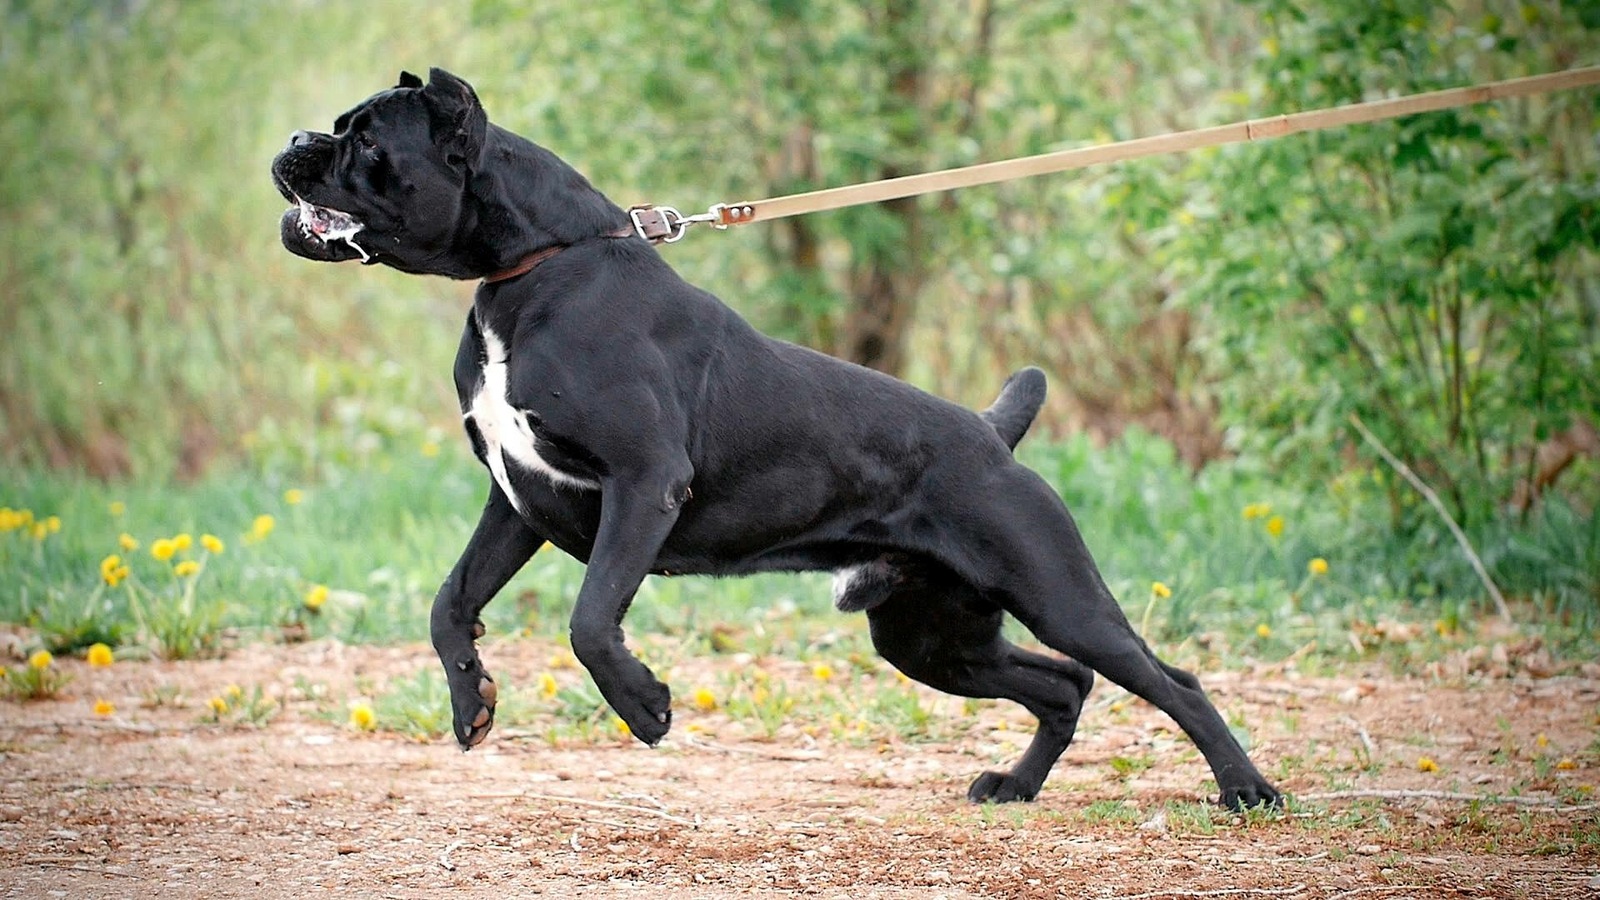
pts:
[498, 548]
[635, 517]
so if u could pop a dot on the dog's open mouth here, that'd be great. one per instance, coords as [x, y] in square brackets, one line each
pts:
[327, 225]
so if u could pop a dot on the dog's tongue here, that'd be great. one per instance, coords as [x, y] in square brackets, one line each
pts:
[330, 224]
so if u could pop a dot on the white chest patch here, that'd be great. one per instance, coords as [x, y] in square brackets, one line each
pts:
[506, 433]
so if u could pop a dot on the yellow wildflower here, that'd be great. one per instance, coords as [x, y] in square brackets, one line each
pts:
[315, 597]
[548, 686]
[186, 568]
[1159, 590]
[704, 700]
[103, 708]
[563, 659]
[430, 449]
[117, 507]
[211, 543]
[293, 496]
[260, 528]
[1317, 566]
[127, 542]
[183, 541]
[112, 571]
[822, 671]
[1263, 630]
[100, 656]
[52, 524]
[9, 519]
[41, 659]
[233, 692]
[40, 531]
[1566, 764]
[621, 726]
[163, 549]
[1275, 526]
[218, 705]
[1426, 764]
[1257, 510]
[362, 718]
[1541, 741]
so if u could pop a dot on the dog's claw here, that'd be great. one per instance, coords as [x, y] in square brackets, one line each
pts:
[998, 787]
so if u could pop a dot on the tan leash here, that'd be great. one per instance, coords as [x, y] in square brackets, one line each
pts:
[666, 224]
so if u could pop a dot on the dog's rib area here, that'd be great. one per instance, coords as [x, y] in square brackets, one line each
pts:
[505, 429]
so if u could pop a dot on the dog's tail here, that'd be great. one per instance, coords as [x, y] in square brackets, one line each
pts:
[1013, 412]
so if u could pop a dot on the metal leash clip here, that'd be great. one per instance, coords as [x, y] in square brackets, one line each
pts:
[666, 225]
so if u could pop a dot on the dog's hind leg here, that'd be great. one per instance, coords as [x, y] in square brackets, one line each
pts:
[499, 546]
[943, 635]
[1053, 588]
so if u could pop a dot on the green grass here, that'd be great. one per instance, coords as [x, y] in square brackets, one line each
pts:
[381, 536]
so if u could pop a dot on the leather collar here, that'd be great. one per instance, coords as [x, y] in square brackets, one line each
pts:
[527, 263]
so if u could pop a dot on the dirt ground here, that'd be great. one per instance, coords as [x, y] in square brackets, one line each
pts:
[156, 800]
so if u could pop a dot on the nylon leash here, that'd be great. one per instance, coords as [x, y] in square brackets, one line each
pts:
[666, 224]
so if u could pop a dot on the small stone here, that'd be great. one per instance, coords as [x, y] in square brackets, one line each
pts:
[1369, 849]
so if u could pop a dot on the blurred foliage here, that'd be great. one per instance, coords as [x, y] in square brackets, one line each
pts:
[1435, 275]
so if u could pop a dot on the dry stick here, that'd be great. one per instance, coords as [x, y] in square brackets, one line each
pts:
[444, 858]
[1543, 803]
[1366, 739]
[1438, 505]
[601, 804]
[1296, 888]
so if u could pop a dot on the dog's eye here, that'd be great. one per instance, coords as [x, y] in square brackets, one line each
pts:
[366, 144]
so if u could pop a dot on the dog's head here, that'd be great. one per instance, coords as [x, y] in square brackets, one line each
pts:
[390, 184]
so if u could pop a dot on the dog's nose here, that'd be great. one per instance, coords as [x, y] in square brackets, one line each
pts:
[299, 139]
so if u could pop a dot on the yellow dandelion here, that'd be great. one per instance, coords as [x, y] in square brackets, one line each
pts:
[100, 656]
[52, 524]
[1256, 510]
[233, 692]
[704, 700]
[430, 449]
[41, 659]
[1317, 566]
[40, 531]
[127, 542]
[163, 549]
[218, 706]
[109, 567]
[9, 519]
[103, 708]
[1541, 741]
[1566, 764]
[212, 544]
[621, 726]
[261, 527]
[1159, 590]
[1275, 526]
[548, 686]
[1426, 764]
[117, 507]
[1119, 706]
[563, 659]
[822, 671]
[294, 496]
[186, 568]
[315, 597]
[362, 718]
[1263, 630]
[183, 541]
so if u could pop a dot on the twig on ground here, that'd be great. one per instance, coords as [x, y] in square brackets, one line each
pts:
[1366, 739]
[444, 858]
[87, 870]
[574, 842]
[602, 804]
[1438, 506]
[1221, 892]
[1551, 804]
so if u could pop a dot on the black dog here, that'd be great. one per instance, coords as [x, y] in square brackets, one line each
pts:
[642, 426]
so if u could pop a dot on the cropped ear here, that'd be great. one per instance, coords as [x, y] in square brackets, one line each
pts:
[460, 125]
[408, 80]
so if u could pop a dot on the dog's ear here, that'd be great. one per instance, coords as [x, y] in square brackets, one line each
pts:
[408, 80]
[460, 125]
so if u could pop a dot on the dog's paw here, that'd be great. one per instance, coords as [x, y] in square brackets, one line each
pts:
[1000, 787]
[647, 711]
[473, 695]
[1257, 794]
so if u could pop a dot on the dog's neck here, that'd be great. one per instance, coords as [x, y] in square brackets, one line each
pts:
[525, 218]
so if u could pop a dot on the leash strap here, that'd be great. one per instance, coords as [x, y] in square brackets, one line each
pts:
[723, 215]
